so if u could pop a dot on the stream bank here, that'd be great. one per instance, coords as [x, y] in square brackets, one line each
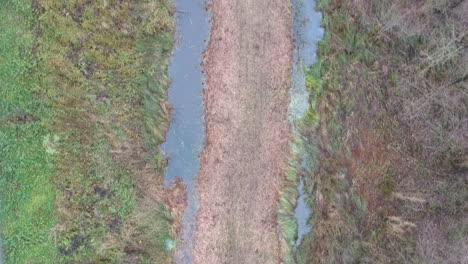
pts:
[294, 203]
[307, 32]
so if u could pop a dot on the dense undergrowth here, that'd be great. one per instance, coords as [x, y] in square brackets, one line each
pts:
[82, 114]
[389, 120]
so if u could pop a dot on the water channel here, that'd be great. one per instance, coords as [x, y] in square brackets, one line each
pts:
[307, 33]
[186, 135]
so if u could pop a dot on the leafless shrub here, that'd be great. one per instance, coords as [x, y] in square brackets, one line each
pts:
[444, 47]
[428, 244]
[434, 247]
[392, 19]
[436, 112]
[432, 94]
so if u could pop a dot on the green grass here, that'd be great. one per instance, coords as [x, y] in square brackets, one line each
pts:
[82, 111]
[27, 196]
[287, 204]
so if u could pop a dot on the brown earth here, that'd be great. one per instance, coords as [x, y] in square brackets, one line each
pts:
[248, 65]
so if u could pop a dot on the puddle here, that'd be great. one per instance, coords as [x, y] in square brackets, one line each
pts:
[186, 135]
[307, 33]
[302, 213]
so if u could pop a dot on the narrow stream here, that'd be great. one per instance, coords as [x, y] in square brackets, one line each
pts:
[307, 33]
[186, 135]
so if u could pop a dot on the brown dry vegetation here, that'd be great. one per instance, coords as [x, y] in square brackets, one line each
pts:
[248, 63]
[391, 181]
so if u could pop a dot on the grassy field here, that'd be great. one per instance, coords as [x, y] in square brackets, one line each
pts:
[82, 115]
[389, 97]
[27, 196]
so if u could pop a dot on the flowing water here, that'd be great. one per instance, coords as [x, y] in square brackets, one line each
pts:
[186, 135]
[307, 33]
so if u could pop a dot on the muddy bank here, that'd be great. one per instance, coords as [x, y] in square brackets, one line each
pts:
[248, 67]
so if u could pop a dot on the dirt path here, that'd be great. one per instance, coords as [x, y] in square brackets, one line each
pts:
[248, 65]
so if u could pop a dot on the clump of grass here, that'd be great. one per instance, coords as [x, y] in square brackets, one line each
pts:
[107, 78]
[151, 234]
[287, 205]
[387, 187]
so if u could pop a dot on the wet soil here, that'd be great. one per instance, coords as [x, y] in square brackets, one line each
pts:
[248, 66]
